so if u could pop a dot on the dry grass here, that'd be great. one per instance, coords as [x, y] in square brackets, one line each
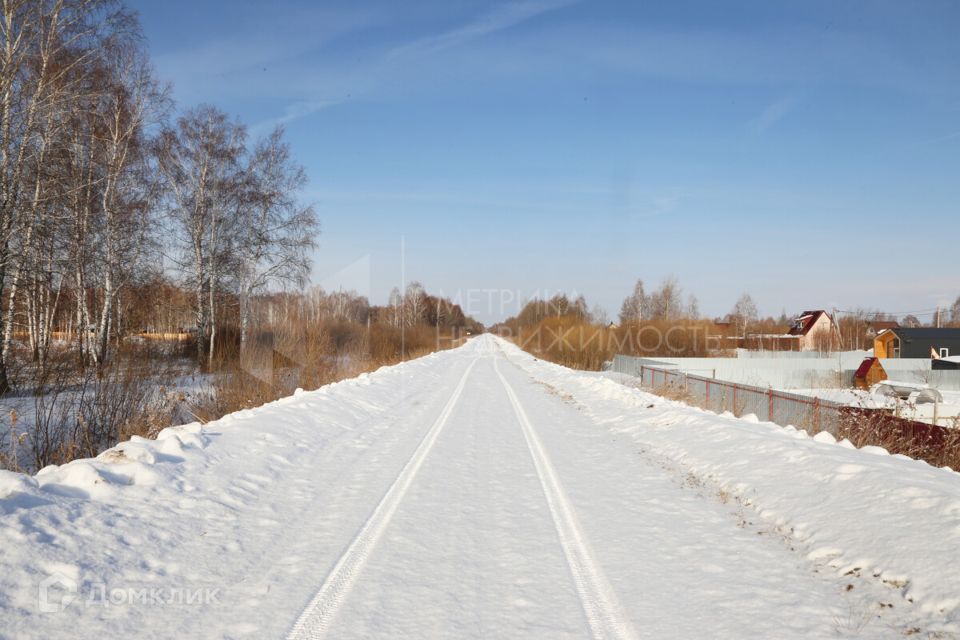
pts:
[278, 361]
[938, 446]
[567, 341]
[677, 392]
[681, 338]
[81, 412]
[578, 344]
[78, 413]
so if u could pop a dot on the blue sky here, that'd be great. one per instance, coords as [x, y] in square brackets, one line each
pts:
[806, 152]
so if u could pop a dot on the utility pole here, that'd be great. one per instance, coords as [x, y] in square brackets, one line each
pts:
[835, 321]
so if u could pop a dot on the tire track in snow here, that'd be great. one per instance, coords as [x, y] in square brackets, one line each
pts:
[603, 610]
[315, 619]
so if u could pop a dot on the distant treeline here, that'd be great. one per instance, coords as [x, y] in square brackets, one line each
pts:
[667, 323]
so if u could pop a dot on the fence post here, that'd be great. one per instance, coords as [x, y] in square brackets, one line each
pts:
[769, 405]
[816, 415]
[707, 403]
[734, 399]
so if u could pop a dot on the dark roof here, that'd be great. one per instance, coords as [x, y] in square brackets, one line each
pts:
[802, 325]
[864, 367]
[926, 333]
[880, 325]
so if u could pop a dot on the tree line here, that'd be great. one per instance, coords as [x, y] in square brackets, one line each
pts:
[666, 322]
[854, 327]
[103, 191]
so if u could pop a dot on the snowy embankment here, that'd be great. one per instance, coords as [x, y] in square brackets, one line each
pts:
[861, 512]
[189, 535]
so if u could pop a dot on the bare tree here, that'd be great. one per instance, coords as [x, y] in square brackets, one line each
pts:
[414, 304]
[744, 314]
[85, 213]
[130, 101]
[693, 307]
[580, 308]
[395, 305]
[599, 315]
[911, 322]
[276, 233]
[200, 161]
[42, 43]
[635, 305]
[665, 303]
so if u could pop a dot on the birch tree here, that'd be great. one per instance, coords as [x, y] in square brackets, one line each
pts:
[276, 231]
[744, 314]
[395, 305]
[635, 305]
[199, 160]
[414, 304]
[665, 303]
[41, 43]
[130, 103]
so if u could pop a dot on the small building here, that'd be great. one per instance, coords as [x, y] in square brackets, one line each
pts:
[875, 327]
[922, 342]
[815, 331]
[951, 363]
[869, 373]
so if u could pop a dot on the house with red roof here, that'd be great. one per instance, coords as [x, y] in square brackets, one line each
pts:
[815, 331]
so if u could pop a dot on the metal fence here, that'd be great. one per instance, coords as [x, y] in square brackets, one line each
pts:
[782, 408]
[798, 373]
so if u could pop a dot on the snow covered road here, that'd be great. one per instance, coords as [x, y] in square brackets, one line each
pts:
[472, 493]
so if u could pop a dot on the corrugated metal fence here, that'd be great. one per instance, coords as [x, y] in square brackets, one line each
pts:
[803, 412]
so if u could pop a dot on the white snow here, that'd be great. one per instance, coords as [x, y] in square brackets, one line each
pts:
[480, 492]
[851, 397]
[947, 413]
[885, 516]
[18, 413]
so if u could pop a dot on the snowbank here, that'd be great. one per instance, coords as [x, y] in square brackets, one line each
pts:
[862, 512]
[160, 538]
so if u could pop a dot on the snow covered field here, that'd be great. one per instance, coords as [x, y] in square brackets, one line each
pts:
[480, 492]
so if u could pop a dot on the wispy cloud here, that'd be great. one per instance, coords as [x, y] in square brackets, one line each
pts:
[776, 56]
[944, 138]
[502, 17]
[400, 59]
[292, 112]
[771, 115]
[259, 61]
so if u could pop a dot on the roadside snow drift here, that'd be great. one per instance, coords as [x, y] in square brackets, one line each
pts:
[860, 511]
